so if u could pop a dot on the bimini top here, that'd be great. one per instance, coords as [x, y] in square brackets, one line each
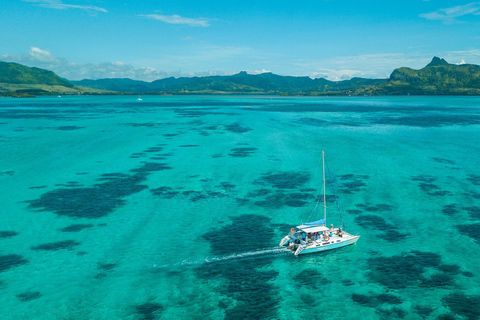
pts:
[312, 229]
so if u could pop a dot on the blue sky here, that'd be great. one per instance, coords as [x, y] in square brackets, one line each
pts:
[148, 40]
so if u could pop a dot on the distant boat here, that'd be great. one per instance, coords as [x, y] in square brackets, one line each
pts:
[311, 237]
[59, 96]
[139, 98]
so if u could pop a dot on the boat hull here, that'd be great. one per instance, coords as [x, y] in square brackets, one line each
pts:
[318, 247]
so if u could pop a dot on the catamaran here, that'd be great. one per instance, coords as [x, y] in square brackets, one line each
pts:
[315, 236]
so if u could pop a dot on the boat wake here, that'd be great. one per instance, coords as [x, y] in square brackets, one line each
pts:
[233, 256]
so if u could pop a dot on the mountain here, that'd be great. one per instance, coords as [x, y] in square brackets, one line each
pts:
[21, 81]
[438, 77]
[14, 73]
[241, 83]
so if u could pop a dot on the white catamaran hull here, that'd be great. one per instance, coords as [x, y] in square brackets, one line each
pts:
[318, 247]
[297, 243]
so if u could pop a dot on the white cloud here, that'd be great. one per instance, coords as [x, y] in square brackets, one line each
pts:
[40, 55]
[58, 4]
[176, 19]
[450, 15]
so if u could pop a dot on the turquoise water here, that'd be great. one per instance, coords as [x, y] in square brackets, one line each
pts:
[173, 207]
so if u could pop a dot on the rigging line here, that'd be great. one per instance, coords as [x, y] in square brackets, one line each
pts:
[335, 193]
[319, 195]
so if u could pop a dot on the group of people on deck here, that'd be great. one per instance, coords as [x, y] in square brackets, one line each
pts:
[326, 234]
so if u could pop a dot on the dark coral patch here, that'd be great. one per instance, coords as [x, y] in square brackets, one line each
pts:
[137, 155]
[450, 268]
[428, 187]
[69, 184]
[374, 301]
[471, 230]
[217, 155]
[256, 297]
[273, 201]
[375, 208]
[154, 149]
[379, 224]
[7, 173]
[474, 179]
[69, 128]
[438, 280]
[7, 234]
[423, 311]
[402, 271]
[473, 211]
[298, 199]
[76, 227]
[28, 296]
[37, 187]
[99, 200]
[310, 278]
[446, 161]
[450, 209]
[374, 222]
[106, 266]
[11, 260]
[424, 178]
[151, 167]
[59, 245]
[149, 310]
[284, 180]
[351, 183]
[227, 186]
[393, 236]
[164, 192]
[354, 211]
[258, 193]
[468, 274]
[242, 152]
[465, 306]
[237, 128]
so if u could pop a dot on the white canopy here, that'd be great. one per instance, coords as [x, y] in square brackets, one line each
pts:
[312, 229]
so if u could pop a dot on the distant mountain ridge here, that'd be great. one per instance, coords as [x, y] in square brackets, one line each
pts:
[438, 77]
[242, 82]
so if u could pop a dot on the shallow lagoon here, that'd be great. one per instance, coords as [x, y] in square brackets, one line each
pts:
[173, 206]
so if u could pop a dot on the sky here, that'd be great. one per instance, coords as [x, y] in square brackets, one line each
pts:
[154, 39]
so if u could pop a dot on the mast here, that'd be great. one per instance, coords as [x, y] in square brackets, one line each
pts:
[324, 190]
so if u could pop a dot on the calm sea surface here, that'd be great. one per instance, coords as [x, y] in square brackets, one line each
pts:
[173, 207]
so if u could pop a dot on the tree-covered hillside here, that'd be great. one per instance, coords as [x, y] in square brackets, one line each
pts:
[14, 73]
[438, 77]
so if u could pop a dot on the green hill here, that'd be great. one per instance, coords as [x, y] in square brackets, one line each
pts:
[438, 77]
[14, 73]
[21, 81]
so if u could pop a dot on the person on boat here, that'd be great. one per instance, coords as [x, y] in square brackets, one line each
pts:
[339, 232]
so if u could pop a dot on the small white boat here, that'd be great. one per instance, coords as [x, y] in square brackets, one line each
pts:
[139, 98]
[315, 236]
